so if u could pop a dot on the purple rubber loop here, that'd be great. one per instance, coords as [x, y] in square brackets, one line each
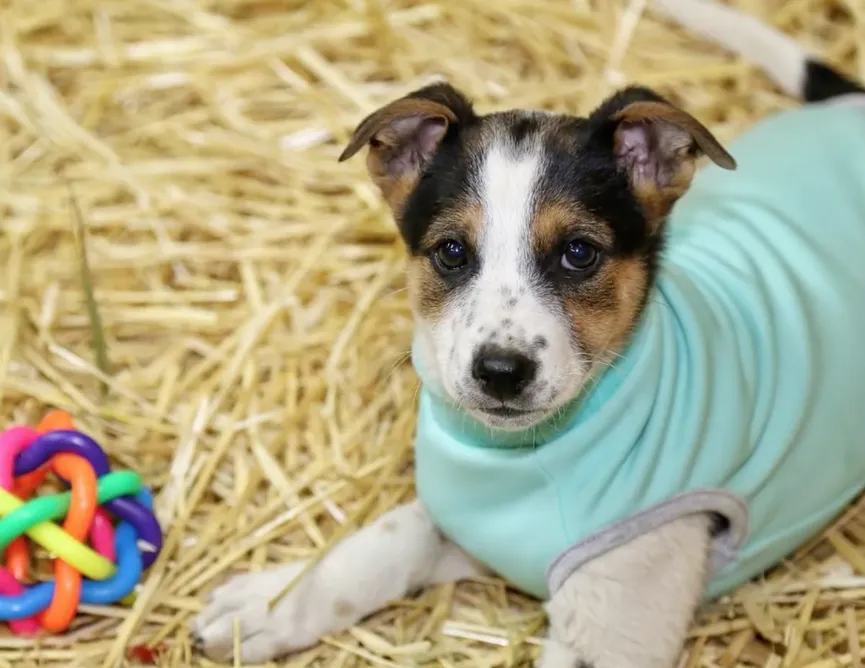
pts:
[124, 508]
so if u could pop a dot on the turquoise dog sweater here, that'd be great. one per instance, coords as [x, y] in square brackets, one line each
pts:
[742, 392]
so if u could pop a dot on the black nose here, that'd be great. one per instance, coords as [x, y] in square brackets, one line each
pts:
[503, 374]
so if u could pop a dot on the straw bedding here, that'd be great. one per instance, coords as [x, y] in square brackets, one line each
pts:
[256, 329]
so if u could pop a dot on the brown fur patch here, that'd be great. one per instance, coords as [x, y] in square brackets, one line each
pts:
[427, 290]
[394, 189]
[656, 201]
[462, 221]
[557, 221]
[603, 310]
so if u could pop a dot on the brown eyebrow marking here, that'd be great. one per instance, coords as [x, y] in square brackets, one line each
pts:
[463, 221]
[556, 220]
[428, 291]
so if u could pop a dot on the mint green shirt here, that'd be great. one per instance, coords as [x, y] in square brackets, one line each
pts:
[742, 391]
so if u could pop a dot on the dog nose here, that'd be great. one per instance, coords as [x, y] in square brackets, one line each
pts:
[503, 374]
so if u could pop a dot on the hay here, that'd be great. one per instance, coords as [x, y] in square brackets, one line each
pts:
[250, 287]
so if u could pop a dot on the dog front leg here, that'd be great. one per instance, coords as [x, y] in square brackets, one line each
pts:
[632, 607]
[402, 551]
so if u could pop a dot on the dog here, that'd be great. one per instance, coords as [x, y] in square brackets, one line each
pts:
[642, 382]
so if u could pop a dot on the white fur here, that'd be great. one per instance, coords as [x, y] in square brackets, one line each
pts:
[779, 56]
[397, 554]
[482, 315]
[629, 608]
[632, 607]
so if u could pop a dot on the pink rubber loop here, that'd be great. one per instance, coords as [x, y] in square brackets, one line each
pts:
[8, 584]
[12, 441]
[102, 535]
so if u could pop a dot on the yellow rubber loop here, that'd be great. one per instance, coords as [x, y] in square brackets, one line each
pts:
[90, 563]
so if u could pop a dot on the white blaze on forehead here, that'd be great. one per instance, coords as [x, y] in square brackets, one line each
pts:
[501, 305]
[507, 184]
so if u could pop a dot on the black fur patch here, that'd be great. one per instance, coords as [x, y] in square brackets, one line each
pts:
[522, 127]
[581, 168]
[447, 177]
[719, 525]
[443, 184]
[450, 97]
[823, 83]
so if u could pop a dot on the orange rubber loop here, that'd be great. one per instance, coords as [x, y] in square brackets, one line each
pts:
[67, 581]
[82, 507]
[55, 421]
[18, 559]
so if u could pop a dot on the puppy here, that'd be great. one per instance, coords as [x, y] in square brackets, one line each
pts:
[633, 400]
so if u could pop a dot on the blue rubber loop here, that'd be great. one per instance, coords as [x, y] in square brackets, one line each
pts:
[37, 598]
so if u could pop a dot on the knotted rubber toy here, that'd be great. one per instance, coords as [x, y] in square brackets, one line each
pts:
[110, 559]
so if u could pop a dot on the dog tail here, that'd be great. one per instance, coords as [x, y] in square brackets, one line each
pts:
[796, 71]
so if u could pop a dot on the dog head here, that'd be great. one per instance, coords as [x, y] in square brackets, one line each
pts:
[533, 237]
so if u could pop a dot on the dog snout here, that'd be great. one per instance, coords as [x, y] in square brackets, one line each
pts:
[503, 374]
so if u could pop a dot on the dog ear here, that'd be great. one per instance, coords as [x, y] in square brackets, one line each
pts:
[404, 135]
[656, 145]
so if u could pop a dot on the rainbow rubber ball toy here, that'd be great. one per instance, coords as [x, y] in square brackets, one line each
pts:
[108, 538]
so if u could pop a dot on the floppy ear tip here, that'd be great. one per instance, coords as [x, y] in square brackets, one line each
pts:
[632, 130]
[354, 145]
[720, 156]
[727, 161]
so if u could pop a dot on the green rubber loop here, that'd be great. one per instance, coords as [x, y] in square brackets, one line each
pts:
[54, 506]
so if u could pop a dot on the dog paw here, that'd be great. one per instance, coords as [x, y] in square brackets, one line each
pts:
[239, 611]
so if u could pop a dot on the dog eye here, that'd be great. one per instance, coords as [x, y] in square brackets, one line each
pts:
[579, 256]
[450, 256]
